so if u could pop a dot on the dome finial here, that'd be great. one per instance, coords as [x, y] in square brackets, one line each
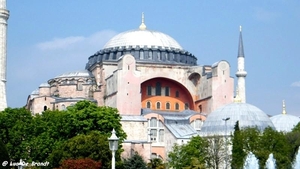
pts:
[237, 98]
[143, 26]
[283, 107]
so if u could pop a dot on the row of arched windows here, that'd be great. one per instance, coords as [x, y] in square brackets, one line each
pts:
[167, 105]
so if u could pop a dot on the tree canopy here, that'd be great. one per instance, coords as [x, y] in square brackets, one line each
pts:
[35, 138]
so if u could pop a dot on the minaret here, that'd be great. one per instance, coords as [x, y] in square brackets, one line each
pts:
[241, 73]
[4, 14]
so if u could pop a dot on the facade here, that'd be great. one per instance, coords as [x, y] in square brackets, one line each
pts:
[4, 15]
[161, 93]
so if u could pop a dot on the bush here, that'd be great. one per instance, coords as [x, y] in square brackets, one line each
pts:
[85, 163]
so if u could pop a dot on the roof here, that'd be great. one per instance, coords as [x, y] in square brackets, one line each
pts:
[181, 130]
[139, 37]
[78, 73]
[247, 115]
[285, 122]
[133, 118]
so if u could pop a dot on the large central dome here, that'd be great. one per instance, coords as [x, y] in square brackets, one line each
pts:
[146, 46]
[142, 38]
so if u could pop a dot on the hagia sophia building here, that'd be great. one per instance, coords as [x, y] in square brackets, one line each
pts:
[161, 93]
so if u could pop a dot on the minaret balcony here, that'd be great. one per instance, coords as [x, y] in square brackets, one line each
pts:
[241, 73]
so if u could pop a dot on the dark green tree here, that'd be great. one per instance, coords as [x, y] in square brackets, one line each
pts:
[238, 153]
[136, 161]
[16, 132]
[4, 157]
[274, 142]
[156, 163]
[93, 146]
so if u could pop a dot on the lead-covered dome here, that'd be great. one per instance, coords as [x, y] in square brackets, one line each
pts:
[142, 38]
[285, 122]
[247, 115]
[146, 46]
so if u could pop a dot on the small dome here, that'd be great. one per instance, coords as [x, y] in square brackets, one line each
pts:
[81, 73]
[44, 85]
[285, 122]
[35, 92]
[247, 115]
[139, 37]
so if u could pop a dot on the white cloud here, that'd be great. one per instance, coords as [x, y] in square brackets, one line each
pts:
[264, 15]
[60, 43]
[296, 84]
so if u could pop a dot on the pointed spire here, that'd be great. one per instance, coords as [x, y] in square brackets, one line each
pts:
[241, 47]
[283, 107]
[143, 26]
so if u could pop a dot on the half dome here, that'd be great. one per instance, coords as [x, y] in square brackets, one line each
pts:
[143, 38]
[247, 115]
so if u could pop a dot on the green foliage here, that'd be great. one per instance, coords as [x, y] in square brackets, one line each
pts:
[136, 161]
[238, 153]
[35, 138]
[93, 145]
[3, 156]
[185, 155]
[85, 163]
[274, 142]
[156, 163]
[16, 132]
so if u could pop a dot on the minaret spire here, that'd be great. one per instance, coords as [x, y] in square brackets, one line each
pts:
[4, 15]
[143, 26]
[283, 107]
[241, 73]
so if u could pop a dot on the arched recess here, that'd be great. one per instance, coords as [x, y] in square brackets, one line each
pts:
[195, 78]
[168, 93]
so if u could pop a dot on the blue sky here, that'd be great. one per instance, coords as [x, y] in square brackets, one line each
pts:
[48, 38]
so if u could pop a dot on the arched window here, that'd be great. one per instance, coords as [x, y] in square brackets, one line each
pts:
[45, 108]
[167, 91]
[158, 89]
[63, 107]
[158, 105]
[158, 55]
[186, 106]
[177, 93]
[153, 122]
[149, 105]
[141, 54]
[149, 90]
[168, 106]
[176, 106]
[150, 54]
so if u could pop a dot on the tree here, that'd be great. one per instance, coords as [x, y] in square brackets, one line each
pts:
[4, 156]
[15, 132]
[216, 151]
[156, 163]
[93, 146]
[136, 161]
[185, 155]
[85, 163]
[274, 142]
[238, 153]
